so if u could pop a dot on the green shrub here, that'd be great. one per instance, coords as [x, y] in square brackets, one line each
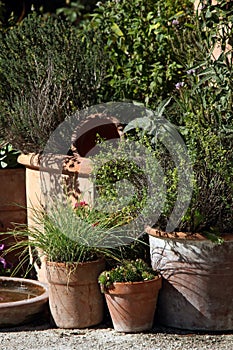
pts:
[202, 112]
[48, 69]
[8, 156]
[141, 63]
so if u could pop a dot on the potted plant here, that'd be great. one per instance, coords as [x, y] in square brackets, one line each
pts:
[75, 241]
[58, 69]
[196, 258]
[73, 261]
[131, 290]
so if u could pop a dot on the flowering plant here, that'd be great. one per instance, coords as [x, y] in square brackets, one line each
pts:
[5, 266]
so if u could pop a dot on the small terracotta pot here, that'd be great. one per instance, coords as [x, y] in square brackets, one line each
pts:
[74, 294]
[132, 304]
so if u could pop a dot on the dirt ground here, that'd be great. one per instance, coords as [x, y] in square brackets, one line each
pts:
[42, 335]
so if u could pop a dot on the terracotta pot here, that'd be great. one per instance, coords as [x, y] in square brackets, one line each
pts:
[74, 296]
[49, 177]
[12, 198]
[12, 208]
[132, 305]
[197, 281]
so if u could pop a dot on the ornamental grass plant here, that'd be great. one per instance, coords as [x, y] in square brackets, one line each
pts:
[65, 234]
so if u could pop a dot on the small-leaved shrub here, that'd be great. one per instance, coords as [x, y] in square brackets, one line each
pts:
[128, 271]
[48, 69]
[141, 63]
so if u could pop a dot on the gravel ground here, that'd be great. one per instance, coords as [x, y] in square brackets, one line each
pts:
[45, 337]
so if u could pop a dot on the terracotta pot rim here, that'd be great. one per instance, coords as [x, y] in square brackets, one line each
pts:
[183, 236]
[9, 170]
[123, 285]
[44, 296]
[75, 264]
[126, 287]
[78, 165]
[136, 283]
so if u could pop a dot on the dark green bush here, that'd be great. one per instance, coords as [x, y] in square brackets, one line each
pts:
[203, 110]
[48, 69]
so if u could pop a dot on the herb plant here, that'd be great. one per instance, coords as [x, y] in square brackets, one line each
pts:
[141, 63]
[201, 110]
[48, 70]
[128, 271]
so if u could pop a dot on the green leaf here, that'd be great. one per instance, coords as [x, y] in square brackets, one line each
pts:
[115, 28]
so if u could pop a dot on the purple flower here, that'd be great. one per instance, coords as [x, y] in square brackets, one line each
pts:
[191, 71]
[2, 246]
[3, 262]
[175, 22]
[179, 85]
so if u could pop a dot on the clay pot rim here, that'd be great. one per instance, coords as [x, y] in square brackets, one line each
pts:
[136, 283]
[10, 170]
[43, 297]
[73, 264]
[80, 165]
[182, 236]
[124, 287]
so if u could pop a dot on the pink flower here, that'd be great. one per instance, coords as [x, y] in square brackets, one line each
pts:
[2, 246]
[95, 224]
[80, 204]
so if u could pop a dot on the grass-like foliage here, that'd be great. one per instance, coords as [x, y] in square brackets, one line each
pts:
[71, 235]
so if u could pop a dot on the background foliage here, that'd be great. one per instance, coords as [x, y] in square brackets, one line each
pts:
[141, 63]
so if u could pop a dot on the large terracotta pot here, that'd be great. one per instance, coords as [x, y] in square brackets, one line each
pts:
[12, 198]
[74, 295]
[132, 304]
[48, 177]
[197, 291]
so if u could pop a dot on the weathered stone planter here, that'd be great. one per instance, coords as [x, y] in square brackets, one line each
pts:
[197, 281]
